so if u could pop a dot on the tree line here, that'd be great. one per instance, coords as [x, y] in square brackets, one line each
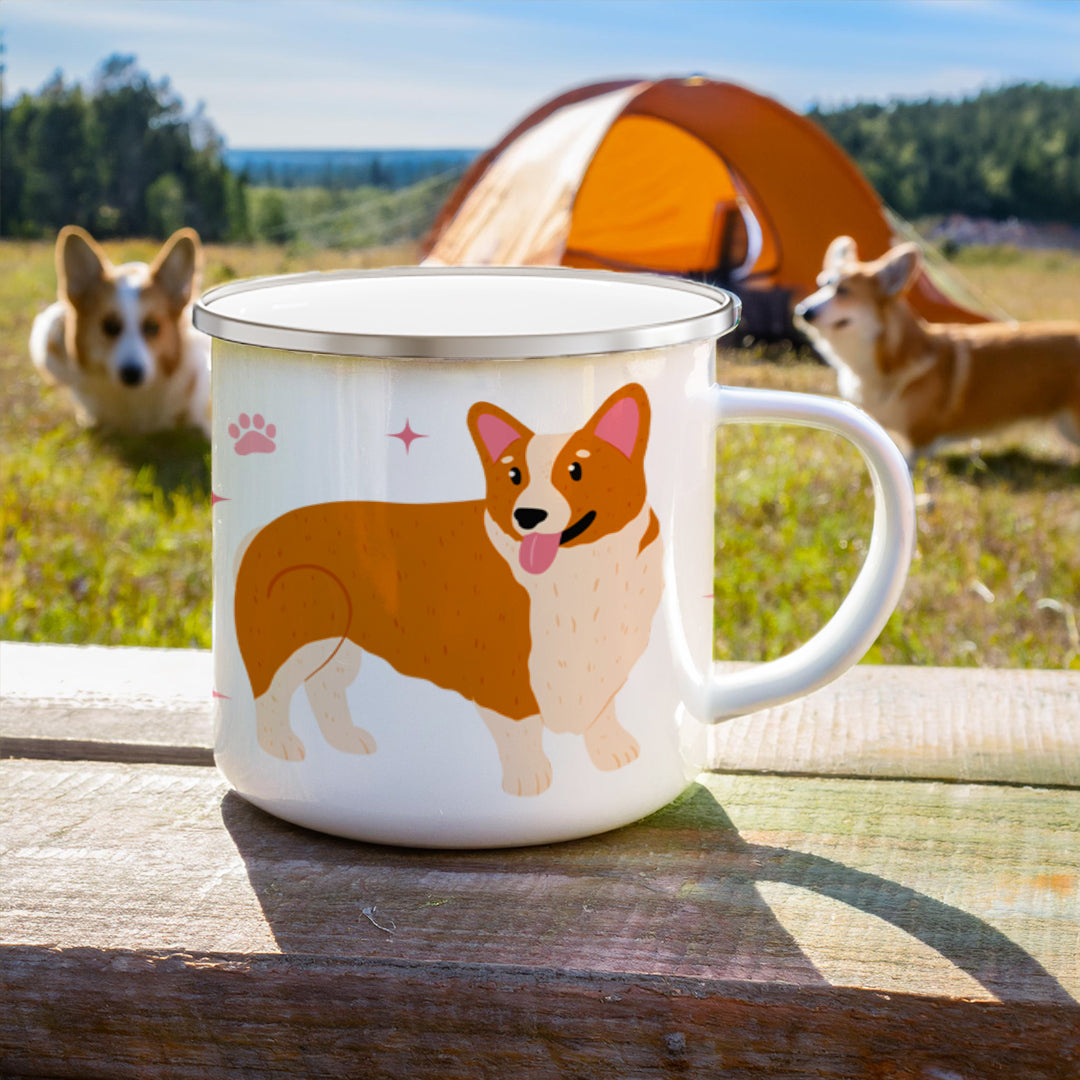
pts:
[123, 157]
[1012, 152]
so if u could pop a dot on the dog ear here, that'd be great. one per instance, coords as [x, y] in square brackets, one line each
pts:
[80, 264]
[176, 268]
[623, 421]
[841, 251]
[897, 268]
[493, 430]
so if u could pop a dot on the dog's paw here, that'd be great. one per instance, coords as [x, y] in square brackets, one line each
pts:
[534, 781]
[611, 748]
[282, 744]
[349, 739]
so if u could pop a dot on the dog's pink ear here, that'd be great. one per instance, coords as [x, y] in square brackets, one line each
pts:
[623, 420]
[80, 264]
[493, 430]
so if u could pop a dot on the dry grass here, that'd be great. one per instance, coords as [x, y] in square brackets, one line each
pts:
[996, 575]
[107, 539]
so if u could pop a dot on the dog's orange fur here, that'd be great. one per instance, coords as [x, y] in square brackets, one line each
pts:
[437, 591]
[929, 382]
[338, 570]
[107, 315]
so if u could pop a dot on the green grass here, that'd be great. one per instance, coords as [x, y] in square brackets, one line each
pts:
[108, 540]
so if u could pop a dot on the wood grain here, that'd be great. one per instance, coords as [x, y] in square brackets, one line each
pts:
[924, 888]
[977, 724]
[999, 726]
[192, 1016]
[155, 925]
[105, 704]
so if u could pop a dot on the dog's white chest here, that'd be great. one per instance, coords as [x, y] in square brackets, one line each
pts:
[590, 616]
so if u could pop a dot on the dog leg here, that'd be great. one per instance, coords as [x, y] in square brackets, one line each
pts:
[272, 708]
[526, 769]
[609, 744]
[326, 693]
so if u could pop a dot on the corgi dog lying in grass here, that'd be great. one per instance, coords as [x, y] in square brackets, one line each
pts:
[533, 603]
[119, 339]
[928, 382]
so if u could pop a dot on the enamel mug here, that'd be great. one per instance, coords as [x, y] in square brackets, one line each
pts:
[464, 554]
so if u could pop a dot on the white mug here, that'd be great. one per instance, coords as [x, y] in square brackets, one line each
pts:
[464, 554]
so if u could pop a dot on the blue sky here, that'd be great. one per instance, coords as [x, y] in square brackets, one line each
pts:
[346, 73]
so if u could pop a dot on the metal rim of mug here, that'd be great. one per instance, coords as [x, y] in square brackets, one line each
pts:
[709, 325]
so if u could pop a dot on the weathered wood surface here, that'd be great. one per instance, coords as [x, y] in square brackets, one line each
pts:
[1001, 726]
[991, 725]
[760, 879]
[152, 924]
[147, 911]
[104, 704]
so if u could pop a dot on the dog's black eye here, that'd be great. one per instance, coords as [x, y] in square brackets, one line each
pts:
[515, 476]
[150, 327]
[575, 471]
[112, 326]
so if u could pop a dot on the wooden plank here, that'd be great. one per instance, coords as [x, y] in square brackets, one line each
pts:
[154, 924]
[192, 1016]
[1010, 726]
[958, 891]
[974, 724]
[105, 704]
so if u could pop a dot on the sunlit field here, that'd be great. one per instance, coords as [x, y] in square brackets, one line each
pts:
[107, 539]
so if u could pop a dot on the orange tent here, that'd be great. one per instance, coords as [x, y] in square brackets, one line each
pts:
[684, 176]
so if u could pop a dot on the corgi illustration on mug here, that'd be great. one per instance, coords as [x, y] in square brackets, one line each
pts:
[534, 602]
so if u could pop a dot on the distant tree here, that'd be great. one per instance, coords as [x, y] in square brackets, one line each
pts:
[236, 210]
[48, 167]
[380, 176]
[122, 158]
[269, 219]
[1008, 152]
[165, 205]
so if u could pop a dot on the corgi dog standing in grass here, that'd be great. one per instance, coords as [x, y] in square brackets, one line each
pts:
[929, 382]
[534, 602]
[119, 339]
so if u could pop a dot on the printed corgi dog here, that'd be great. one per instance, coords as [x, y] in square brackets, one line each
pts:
[933, 382]
[120, 339]
[534, 603]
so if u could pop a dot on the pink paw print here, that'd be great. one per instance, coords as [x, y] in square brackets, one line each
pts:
[254, 440]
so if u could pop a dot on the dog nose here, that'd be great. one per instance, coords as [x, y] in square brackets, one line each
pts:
[131, 374]
[806, 313]
[528, 518]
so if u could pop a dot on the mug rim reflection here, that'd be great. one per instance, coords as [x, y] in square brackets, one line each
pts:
[713, 322]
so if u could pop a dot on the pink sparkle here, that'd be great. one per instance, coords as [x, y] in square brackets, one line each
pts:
[708, 596]
[215, 498]
[225, 697]
[406, 435]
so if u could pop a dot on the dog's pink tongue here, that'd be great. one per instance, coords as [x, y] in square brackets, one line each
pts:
[538, 551]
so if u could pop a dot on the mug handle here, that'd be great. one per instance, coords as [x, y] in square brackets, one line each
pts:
[845, 638]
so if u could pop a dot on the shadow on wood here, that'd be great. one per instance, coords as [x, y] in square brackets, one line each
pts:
[608, 898]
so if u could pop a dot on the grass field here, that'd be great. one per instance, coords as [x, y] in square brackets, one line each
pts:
[107, 539]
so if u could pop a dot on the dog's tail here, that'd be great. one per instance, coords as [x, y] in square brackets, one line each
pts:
[281, 578]
[285, 610]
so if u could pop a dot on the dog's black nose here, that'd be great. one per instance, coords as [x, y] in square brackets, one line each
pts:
[132, 374]
[527, 518]
[806, 313]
